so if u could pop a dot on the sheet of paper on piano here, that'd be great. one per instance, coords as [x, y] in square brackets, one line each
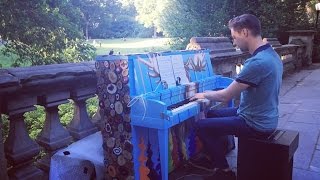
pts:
[178, 69]
[166, 71]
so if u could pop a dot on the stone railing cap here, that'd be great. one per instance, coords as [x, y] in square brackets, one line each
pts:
[297, 42]
[289, 46]
[7, 80]
[21, 76]
[271, 39]
[227, 54]
[301, 32]
[209, 39]
[51, 71]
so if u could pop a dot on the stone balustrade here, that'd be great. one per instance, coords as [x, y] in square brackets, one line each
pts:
[52, 85]
[49, 86]
[227, 60]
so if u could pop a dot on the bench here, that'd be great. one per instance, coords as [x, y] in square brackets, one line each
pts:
[268, 158]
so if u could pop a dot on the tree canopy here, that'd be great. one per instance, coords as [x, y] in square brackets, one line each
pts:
[42, 32]
[45, 32]
[183, 19]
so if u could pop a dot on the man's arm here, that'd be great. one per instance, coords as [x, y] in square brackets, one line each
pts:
[224, 95]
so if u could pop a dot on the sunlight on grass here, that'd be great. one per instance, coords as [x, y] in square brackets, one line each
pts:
[122, 46]
[130, 45]
[5, 61]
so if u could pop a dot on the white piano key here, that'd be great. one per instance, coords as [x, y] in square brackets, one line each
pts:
[184, 107]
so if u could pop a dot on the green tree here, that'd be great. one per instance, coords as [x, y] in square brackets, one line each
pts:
[118, 21]
[43, 32]
[148, 12]
[92, 12]
[183, 19]
[276, 16]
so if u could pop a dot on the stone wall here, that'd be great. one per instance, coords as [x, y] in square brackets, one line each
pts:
[227, 60]
[53, 85]
[49, 86]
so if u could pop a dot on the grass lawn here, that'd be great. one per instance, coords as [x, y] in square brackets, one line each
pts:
[127, 46]
[130, 45]
[5, 61]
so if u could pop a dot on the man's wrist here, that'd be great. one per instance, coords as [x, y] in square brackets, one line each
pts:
[204, 95]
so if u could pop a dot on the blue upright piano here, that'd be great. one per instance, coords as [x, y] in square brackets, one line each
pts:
[148, 118]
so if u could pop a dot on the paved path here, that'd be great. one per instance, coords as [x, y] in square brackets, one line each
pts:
[299, 110]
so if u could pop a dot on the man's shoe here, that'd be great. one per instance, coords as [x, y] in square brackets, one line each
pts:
[224, 175]
[201, 161]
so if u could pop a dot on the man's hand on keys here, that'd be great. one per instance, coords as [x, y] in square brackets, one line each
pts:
[197, 96]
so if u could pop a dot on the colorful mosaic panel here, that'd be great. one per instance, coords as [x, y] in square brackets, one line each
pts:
[113, 93]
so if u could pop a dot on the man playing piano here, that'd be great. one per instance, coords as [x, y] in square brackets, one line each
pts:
[258, 83]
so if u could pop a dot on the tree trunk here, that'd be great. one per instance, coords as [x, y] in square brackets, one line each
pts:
[154, 32]
[87, 34]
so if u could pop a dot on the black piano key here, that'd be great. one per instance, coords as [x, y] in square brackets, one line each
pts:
[181, 103]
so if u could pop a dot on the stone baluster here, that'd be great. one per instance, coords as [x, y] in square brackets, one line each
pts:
[53, 135]
[81, 125]
[96, 119]
[3, 160]
[20, 149]
[299, 56]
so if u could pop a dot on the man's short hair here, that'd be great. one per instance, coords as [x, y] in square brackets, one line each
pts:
[248, 21]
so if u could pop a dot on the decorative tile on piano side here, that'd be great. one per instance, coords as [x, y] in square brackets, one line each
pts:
[200, 85]
[165, 96]
[175, 99]
[184, 115]
[194, 110]
[177, 94]
[153, 95]
[223, 82]
[205, 87]
[217, 82]
[210, 83]
[211, 79]
[178, 90]
[175, 119]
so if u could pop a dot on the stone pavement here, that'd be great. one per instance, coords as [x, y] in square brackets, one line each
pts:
[300, 111]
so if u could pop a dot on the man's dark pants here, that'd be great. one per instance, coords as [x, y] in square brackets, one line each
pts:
[214, 130]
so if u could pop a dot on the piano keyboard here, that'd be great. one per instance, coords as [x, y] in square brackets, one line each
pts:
[184, 107]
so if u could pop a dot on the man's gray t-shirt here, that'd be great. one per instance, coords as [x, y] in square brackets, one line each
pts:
[259, 103]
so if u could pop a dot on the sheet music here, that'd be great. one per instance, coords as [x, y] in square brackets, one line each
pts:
[178, 69]
[166, 71]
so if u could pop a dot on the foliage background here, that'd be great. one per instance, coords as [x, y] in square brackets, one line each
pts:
[35, 119]
[38, 32]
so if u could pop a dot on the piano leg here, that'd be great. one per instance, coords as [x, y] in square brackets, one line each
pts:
[135, 142]
[163, 136]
